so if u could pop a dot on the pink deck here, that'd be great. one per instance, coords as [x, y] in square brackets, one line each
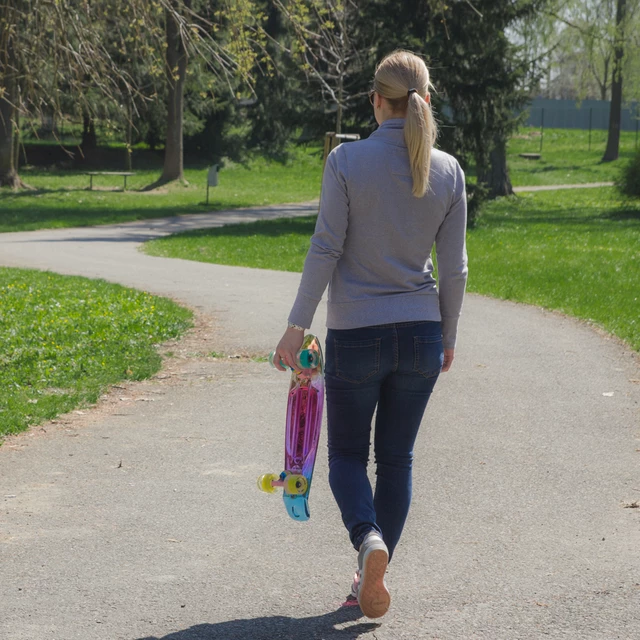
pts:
[304, 419]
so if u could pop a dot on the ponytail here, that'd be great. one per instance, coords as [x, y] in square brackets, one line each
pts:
[403, 79]
[419, 136]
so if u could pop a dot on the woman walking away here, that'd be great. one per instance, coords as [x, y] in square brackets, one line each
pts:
[385, 202]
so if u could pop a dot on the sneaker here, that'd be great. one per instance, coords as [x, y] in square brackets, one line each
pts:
[352, 598]
[372, 593]
[355, 585]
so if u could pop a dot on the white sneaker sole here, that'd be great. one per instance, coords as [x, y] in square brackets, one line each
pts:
[373, 596]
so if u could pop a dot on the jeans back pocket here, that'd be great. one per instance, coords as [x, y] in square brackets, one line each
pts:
[357, 360]
[428, 356]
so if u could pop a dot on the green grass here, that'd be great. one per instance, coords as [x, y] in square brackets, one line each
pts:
[280, 244]
[64, 339]
[566, 158]
[574, 251]
[63, 199]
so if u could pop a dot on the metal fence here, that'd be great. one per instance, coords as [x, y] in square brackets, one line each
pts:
[571, 114]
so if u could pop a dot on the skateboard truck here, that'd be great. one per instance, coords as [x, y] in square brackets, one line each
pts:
[291, 483]
[307, 359]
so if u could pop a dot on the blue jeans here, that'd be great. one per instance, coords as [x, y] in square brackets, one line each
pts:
[392, 367]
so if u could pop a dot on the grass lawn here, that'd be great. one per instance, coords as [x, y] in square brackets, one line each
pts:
[63, 199]
[64, 339]
[566, 158]
[575, 251]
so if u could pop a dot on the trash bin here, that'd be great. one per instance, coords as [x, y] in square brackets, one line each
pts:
[212, 179]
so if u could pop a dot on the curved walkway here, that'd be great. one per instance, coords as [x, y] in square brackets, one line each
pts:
[556, 187]
[143, 522]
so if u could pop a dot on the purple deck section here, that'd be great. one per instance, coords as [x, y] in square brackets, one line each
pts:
[304, 419]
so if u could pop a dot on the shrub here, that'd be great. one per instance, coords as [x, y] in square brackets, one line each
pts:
[477, 195]
[629, 180]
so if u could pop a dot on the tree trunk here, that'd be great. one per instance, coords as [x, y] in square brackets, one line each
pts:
[8, 102]
[498, 180]
[16, 138]
[604, 85]
[176, 75]
[8, 174]
[615, 112]
[129, 163]
[339, 109]
[482, 162]
[341, 69]
[89, 137]
[89, 142]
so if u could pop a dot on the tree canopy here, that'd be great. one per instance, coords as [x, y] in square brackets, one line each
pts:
[220, 77]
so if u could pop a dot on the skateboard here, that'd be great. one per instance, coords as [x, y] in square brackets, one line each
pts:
[305, 403]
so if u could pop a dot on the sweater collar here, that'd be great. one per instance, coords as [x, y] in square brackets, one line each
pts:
[391, 131]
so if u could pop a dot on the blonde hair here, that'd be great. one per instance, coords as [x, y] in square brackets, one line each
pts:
[395, 76]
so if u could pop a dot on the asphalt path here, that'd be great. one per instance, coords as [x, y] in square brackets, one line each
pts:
[142, 521]
[559, 187]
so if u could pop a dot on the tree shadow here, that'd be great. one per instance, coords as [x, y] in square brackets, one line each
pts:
[275, 222]
[322, 627]
[624, 214]
[627, 217]
[41, 191]
[63, 216]
[278, 226]
[546, 168]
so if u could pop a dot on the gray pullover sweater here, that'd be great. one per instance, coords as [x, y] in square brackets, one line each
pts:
[373, 239]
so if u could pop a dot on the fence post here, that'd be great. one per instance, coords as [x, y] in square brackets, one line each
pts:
[590, 120]
[542, 130]
[329, 144]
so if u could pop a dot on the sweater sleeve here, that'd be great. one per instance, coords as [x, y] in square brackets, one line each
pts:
[452, 261]
[327, 241]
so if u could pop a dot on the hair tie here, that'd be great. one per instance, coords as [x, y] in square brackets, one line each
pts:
[411, 91]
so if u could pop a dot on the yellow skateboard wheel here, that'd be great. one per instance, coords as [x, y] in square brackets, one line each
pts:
[265, 482]
[296, 485]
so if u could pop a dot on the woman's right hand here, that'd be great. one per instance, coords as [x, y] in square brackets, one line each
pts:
[287, 349]
[448, 360]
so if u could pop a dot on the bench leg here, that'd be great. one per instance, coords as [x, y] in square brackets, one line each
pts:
[125, 183]
[90, 183]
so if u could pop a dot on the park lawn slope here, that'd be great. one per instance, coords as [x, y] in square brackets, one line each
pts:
[64, 340]
[63, 199]
[575, 251]
[565, 157]
[280, 244]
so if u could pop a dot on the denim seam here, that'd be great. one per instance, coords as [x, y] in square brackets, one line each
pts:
[395, 325]
[396, 350]
[423, 340]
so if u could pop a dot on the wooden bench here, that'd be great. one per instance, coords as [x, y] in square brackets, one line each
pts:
[125, 174]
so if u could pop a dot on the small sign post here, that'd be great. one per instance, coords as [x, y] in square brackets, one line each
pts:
[212, 179]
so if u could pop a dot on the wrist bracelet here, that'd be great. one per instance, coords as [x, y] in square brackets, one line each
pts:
[290, 325]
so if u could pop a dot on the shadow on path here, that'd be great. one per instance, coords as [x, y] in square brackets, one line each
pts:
[268, 220]
[279, 628]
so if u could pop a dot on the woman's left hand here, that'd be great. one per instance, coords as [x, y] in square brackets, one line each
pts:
[287, 349]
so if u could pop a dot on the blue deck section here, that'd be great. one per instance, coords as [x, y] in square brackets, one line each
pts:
[297, 507]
